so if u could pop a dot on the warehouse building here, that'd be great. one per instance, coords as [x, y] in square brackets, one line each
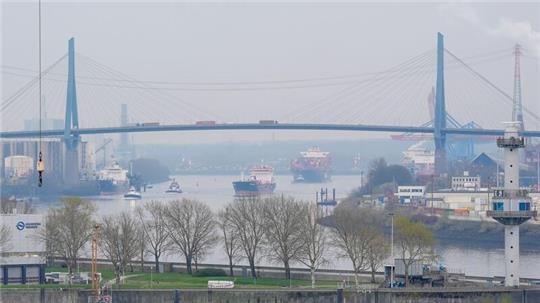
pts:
[22, 259]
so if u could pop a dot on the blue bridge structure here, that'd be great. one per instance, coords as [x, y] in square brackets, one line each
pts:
[438, 128]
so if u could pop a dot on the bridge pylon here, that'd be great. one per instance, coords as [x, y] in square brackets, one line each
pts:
[439, 121]
[71, 140]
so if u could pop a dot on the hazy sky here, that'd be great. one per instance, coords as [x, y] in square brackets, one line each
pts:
[233, 42]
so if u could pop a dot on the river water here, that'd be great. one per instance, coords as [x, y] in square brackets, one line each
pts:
[217, 191]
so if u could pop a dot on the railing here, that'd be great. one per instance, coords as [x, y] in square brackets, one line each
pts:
[511, 142]
[511, 214]
[511, 193]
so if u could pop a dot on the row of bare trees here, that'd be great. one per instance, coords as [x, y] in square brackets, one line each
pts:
[277, 228]
[280, 228]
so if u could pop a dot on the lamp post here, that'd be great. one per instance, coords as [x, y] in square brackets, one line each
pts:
[538, 169]
[392, 250]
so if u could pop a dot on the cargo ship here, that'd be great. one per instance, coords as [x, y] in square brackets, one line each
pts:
[260, 181]
[113, 179]
[313, 166]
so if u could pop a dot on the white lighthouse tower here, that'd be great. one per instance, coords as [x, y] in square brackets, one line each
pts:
[511, 205]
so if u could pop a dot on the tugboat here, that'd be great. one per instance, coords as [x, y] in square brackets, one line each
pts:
[261, 181]
[132, 194]
[174, 187]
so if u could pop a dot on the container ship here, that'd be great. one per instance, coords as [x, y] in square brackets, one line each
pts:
[313, 166]
[113, 179]
[260, 181]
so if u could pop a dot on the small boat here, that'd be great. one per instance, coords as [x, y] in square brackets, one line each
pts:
[132, 194]
[149, 186]
[174, 187]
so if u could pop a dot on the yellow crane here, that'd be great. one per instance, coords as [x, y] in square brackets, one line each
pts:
[95, 277]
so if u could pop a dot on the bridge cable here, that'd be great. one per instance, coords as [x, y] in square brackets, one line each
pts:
[29, 85]
[95, 69]
[373, 85]
[145, 87]
[352, 89]
[506, 95]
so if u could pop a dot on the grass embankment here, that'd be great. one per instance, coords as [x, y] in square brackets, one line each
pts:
[139, 280]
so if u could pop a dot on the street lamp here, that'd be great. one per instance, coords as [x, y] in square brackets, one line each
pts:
[392, 251]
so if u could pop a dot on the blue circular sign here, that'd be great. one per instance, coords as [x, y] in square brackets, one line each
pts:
[20, 225]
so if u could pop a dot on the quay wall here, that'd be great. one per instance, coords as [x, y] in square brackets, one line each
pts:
[502, 295]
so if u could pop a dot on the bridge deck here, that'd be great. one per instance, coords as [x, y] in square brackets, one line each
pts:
[257, 126]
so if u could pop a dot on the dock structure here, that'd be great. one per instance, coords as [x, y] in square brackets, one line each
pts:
[511, 205]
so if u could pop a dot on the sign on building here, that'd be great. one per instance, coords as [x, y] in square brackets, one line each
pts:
[24, 231]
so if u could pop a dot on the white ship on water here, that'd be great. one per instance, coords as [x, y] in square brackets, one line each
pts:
[113, 179]
[132, 194]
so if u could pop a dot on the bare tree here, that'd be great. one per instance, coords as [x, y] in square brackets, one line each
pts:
[5, 238]
[415, 241]
[282, 226]
[68, 229]
[353, 231]
[151, 217]
[314, 240]
[246, 216]
[142, 246]
[119, 241]
[376, 253]
[10, 206]
[231, 240]
[191, 227]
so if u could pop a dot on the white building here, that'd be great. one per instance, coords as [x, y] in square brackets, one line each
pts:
[466, 182]
[411, 194]
[24, 231]
[22, 257]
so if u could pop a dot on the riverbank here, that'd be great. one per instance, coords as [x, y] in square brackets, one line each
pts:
[482, 234]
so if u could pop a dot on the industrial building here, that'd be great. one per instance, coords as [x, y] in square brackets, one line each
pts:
[477, 201]
[53, 151]
[17, 167]
[22, 259]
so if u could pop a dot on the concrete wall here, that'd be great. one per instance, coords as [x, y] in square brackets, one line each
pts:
[279, 296]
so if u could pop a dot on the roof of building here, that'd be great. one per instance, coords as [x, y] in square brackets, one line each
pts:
[22, 260]
[483, 159]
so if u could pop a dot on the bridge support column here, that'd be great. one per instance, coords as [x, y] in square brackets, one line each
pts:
[71, 141]
[439, 122]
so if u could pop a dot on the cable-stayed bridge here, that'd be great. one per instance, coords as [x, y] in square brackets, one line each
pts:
[89, 99]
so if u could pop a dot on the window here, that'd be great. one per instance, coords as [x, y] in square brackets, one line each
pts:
[524, 206]
[498, 206]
